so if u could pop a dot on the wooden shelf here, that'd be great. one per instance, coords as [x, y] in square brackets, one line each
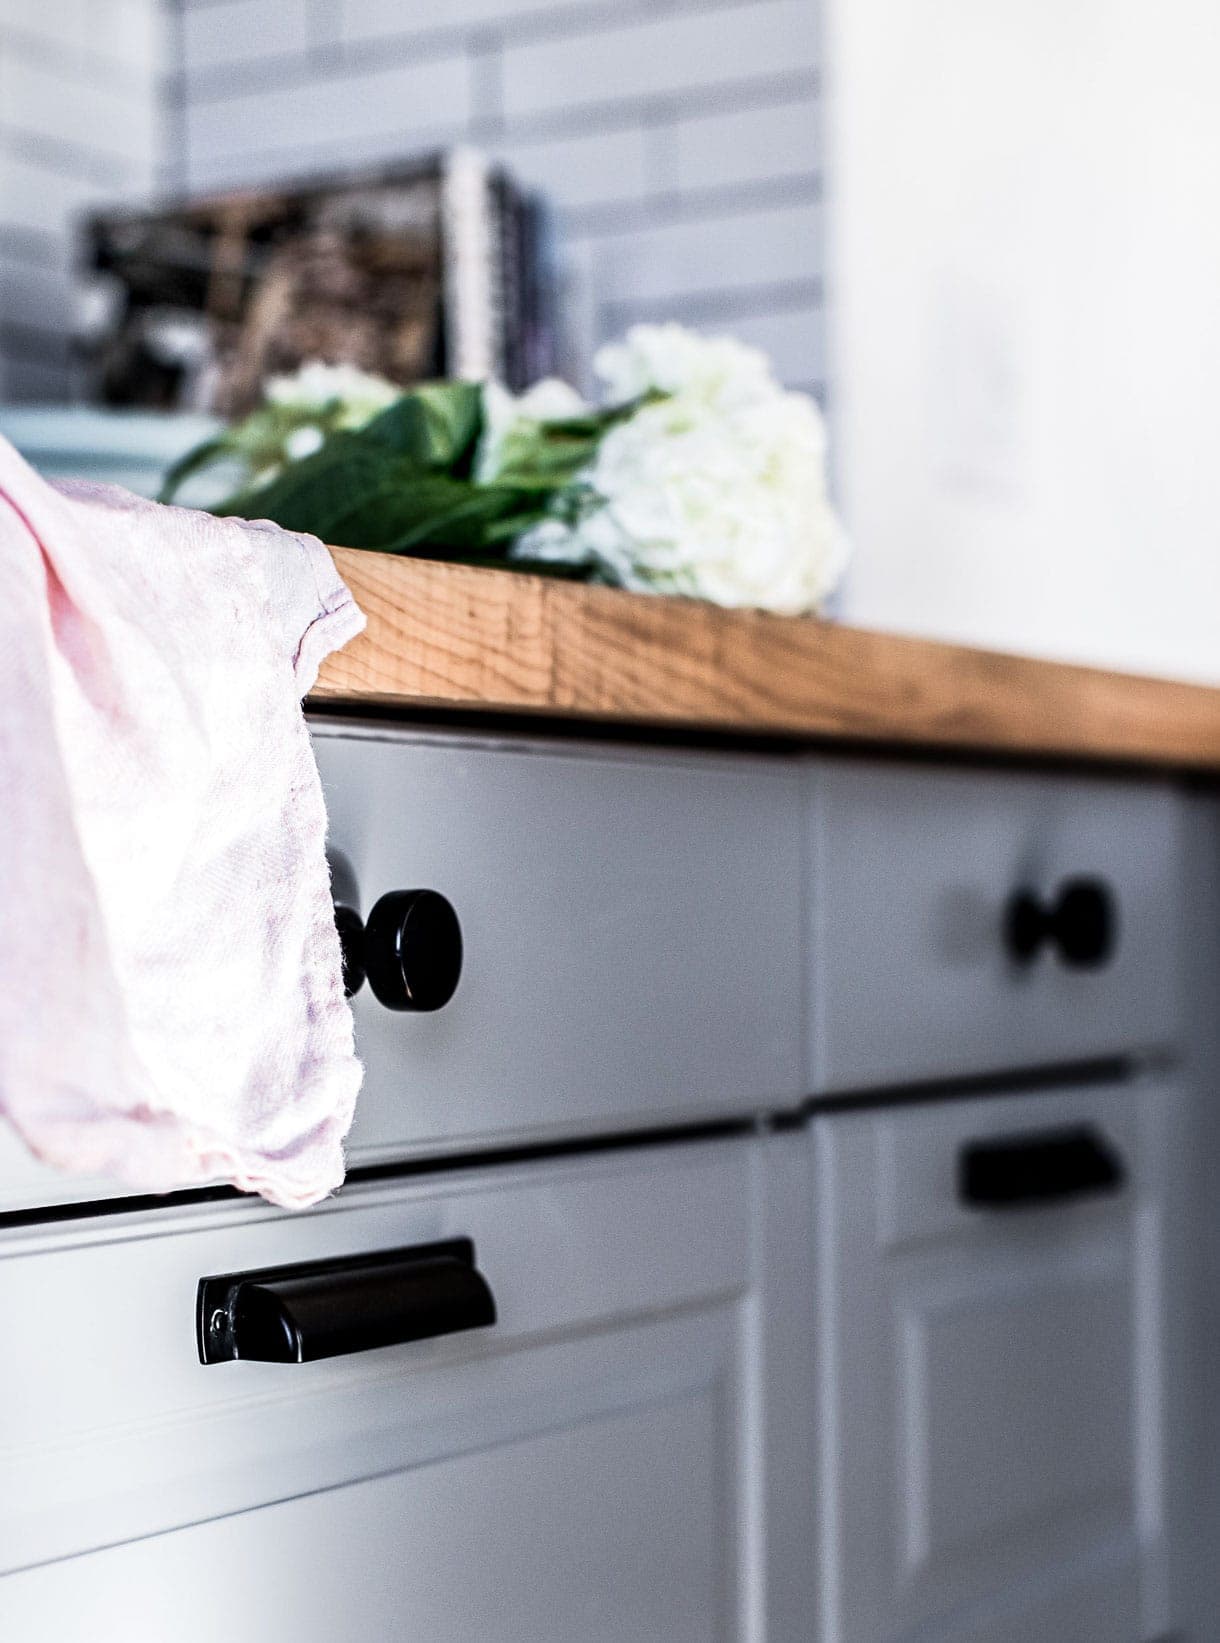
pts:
[449, 636]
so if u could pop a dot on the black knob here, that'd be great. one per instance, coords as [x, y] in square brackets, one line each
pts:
[345, 897]
[351, 939]
[413, 950]
[1086, 923]
[1081, 924]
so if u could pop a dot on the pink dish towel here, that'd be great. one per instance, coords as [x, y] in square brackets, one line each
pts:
[171, 1001]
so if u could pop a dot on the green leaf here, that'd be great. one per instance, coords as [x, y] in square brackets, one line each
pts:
[403, 483]
[548, 455]
[471, 519]
[544, 457]
[321, 491]
[257, 443]
[195, 461]
[436, 425]
[356, 492]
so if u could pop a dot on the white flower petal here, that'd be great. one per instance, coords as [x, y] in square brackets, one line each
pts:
[510, 418]
[303, 442]
[316, 385]
[718, 489]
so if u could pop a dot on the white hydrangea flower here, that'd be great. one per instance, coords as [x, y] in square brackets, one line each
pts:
[717, 490]
[316, 385]
[304, 441]
[510, 419]
[670, 359]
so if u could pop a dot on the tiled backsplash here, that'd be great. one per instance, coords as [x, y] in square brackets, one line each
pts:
[678, 140]
[79, 125]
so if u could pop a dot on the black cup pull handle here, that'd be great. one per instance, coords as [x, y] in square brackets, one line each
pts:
[322, 1309]
[1040, 1167]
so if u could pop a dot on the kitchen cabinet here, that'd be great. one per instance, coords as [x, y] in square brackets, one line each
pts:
[992, 1367]
[607, 1531]
[632, 930]
[594, 1466]
[919, 974]
[745, 1046]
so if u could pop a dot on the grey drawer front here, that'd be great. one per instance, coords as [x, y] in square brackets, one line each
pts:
[504, 1544]
[111, 1429]
[995, 1384]
[596, 1464]
[632, 930]
[912, 871]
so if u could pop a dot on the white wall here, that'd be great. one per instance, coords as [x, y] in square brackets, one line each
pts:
[1025, 312]
[79, 106]
[677, 138]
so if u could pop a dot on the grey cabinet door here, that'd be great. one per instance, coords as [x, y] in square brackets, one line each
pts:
[912, 873]
[612, 1526]
[596, 1466]
[632, 928]
[633, 937]
[992, 1391]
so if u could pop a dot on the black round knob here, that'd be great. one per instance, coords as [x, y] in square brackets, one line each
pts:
[1081, 924]
[1086, 924]
[345, 898]
[351, 940]
[413, 950]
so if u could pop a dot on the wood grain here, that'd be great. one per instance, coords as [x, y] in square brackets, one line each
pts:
[451, 636]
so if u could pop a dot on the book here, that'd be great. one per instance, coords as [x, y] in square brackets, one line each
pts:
[413, 272]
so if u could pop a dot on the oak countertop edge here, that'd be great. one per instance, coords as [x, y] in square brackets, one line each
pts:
[445, 636]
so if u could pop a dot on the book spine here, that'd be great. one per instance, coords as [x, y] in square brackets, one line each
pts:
[513, 279]
[540, 291]
[474, 320]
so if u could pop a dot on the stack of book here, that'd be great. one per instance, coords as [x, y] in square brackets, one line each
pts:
[440, 268]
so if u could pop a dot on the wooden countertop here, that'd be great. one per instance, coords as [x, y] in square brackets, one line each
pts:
[450, 636]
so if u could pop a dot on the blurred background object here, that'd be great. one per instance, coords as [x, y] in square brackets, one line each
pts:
[434, 270]
[980, 235]
[675, 145]
[82, 87]
[129, 448]
[1026, 331]
[160, 159]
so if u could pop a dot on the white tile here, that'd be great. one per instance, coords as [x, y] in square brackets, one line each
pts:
[660, 55]
[106, 119]
[64, 21]
[794, 341]
[26, 382]
[706, 255]
[242, 31]
[329, 114]
[747, 145]
[123, 31]
[43, 298]
[32, 196]
[212, 173]
[605, 168]
[361, 20]
[130, 31]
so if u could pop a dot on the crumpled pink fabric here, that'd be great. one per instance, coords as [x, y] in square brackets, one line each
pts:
[171, 1001]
